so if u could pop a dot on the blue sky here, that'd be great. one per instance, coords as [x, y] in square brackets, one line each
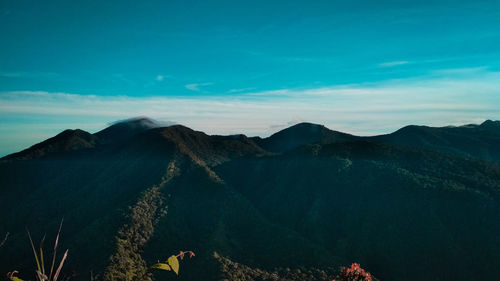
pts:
[365, 67]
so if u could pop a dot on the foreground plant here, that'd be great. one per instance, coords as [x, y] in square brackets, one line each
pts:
[4, 240]
[354, 273]
[41, 273]
[172, 263]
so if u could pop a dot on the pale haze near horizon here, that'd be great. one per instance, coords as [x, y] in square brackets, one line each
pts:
[252, 67]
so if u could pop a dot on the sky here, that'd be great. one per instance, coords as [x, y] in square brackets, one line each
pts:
[254, 67]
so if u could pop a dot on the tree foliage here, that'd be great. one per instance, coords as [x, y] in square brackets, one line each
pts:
[127, 263]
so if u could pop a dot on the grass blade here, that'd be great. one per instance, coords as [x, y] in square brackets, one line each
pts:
[55, 250]
[42, 265]
[41, 276]
[60, 266]
[4, 240]
[34, 251]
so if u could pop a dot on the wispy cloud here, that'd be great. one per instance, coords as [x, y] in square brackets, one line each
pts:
[393, 63]
[232, 91]
[122, 79]
[363, 109]
[24, 74]
[197, 86]
[466, 71]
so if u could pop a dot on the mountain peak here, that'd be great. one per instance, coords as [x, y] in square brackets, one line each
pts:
[305, 127]
[142, 122]
[490, 124]
[127, 128]
[67, 140]
[299, 135]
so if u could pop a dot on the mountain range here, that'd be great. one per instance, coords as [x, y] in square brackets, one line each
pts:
[422, 203]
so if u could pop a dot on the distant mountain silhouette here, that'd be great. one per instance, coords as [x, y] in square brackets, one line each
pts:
[69, 140]
[299, 135]
[73, 140]
[477, 141]
[125, 129]
[421, 203]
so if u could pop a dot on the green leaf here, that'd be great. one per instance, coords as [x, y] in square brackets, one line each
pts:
[14, 278]
[34, 251]
[174, 264]
[162, 266]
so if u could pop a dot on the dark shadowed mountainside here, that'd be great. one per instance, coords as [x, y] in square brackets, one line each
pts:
[123, 130]
[69, 140]
[421, 203]
[477, 141]
[301, 134]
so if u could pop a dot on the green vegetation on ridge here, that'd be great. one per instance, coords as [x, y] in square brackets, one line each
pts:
[402, 211]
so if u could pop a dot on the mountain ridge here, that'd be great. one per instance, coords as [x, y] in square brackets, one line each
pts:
[323, 200]
[449, 139]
